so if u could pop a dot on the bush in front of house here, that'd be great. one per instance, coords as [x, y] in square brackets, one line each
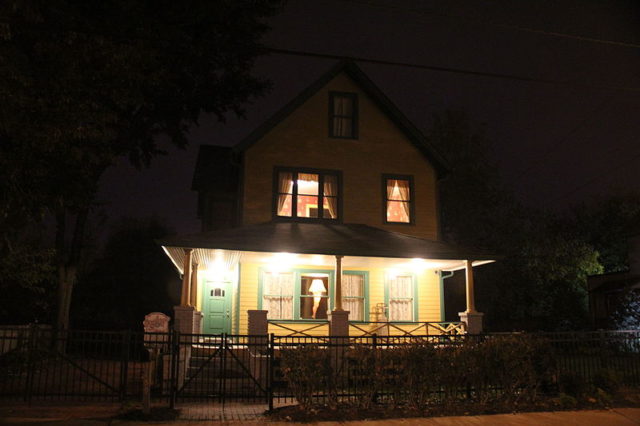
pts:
[502, 372]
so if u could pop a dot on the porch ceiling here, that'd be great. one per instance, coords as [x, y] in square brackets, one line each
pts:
[356, 241]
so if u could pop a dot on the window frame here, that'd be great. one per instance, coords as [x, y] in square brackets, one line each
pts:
[414, 280]
[365, 290]
[297, 284]
[294, 203]
[412, 198]
[354, 117]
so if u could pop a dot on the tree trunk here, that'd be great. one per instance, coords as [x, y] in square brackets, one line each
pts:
[68, 257]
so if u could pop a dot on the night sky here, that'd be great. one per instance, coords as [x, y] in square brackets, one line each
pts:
[556, 144]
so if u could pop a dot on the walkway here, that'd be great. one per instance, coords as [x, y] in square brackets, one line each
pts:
[237, 414]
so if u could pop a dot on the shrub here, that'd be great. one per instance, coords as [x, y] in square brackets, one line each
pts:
[607, 380]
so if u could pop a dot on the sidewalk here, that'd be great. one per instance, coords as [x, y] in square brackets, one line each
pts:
[99, 415]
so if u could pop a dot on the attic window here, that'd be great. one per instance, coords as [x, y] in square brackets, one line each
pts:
[343, 115]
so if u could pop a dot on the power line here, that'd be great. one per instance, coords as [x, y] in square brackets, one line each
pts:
[499, 25]
[463, 71]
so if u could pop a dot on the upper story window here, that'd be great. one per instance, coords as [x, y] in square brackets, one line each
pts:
[398, 199]
[308, 194]
[343, 115]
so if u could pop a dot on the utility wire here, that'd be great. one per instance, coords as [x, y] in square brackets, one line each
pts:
[463, 71]
[498, 25]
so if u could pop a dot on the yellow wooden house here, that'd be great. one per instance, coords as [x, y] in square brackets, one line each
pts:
[325, 217]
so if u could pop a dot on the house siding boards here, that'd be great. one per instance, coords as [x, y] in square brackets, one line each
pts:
[301, 140]
[428, 295]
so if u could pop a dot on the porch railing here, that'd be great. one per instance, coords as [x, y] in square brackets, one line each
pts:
[362, 329]
[386, 328]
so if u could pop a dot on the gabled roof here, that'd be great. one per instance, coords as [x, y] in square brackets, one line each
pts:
[328, 239]
[355, 73]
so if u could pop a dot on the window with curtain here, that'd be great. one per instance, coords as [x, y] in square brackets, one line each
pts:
[314, 296]
[401, 297]
[398, 192]
[353, 296]
[343, 115]
[277, 294]
[307, 194]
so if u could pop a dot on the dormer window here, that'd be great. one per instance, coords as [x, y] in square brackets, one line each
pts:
[398, 198]
[343, 115]
[307, 194]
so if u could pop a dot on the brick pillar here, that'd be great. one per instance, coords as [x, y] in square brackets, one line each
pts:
[339, 323]
[183, 317]
[473, 320]
[258, 325]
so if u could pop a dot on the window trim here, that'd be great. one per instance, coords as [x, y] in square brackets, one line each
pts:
[294, 204]
[297, 275]
[412, 198]
[365, 275]
[414, 279]
[354, 117]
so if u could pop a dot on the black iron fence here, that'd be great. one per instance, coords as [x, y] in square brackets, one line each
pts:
[37, 363]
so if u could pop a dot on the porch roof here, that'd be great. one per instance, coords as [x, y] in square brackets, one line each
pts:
[328, 239]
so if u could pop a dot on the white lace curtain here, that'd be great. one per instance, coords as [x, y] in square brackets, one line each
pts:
[353, 296]
[277, 291]
[401, 298]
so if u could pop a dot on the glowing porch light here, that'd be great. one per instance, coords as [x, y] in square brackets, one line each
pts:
[280, 262]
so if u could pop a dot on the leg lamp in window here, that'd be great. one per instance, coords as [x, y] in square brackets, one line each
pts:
[317, 288]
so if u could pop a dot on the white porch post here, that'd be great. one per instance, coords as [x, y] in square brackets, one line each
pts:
[193, 293]
[184, 314]
[338, 292]
[186, 278]
[338, 318]
[471, 317]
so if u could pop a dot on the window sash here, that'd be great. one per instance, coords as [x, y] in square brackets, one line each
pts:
[343, 113]
[401, 298]
[320, 202]
[398, 196]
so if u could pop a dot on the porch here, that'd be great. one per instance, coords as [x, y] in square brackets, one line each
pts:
[315, 280]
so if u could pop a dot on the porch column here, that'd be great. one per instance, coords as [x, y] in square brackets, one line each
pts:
[471, 300]
[186, 277]
[338, 292]
[471, 317]
[193, 299]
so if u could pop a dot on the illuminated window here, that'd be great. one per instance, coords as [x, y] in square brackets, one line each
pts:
[401, 297]
[343, 115]
[398, 199]
[307, 194]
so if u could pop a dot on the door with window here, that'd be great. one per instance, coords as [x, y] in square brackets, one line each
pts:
[216, 307]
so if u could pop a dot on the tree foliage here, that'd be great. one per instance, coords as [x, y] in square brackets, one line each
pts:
[129, 279]
[84, 83]
[539, 281]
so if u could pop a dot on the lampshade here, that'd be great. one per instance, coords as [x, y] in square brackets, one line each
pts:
[317, 286]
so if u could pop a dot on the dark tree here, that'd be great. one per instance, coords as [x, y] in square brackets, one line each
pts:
[130, 278]
[84, 83]
[540, 281]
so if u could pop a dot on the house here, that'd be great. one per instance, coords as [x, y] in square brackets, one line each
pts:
[608, 291]
[324, 219]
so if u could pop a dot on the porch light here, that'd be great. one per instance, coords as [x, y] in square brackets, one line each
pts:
[281, 262]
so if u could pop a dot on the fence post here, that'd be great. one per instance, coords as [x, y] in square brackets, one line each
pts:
[175, 360]
[271, 364]
[124, 364]
[223, 374]
[31, 330]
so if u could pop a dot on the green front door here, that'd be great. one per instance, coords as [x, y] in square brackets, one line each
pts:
[216, 307]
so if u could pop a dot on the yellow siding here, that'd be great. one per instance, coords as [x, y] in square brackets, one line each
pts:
[428, 297]
[301, 140]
